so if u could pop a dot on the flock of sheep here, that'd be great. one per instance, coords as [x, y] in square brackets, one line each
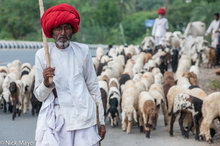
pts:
[135, 82]
[16, 88]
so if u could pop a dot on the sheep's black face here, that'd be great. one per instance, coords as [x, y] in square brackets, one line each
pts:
[163, 58]
[113, 101]
[113, 112]
[13, 88]
[175, 52]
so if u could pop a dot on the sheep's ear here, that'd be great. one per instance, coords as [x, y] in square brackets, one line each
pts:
[135, 115]
[176, 82]
[26, 88]
[155, 100]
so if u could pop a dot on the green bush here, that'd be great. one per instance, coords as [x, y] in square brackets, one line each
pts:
[216, 83]
[134, 26]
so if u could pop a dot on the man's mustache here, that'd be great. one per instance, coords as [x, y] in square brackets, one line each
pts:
[62, 37]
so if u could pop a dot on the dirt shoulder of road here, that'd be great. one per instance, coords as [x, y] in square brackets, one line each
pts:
[206, 77]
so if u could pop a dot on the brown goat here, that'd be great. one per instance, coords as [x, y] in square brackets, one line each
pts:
[211, 57]
[150, 116]
[129, 56]
[192, 77]
[168, 76]
[147, 57]
[168, 82]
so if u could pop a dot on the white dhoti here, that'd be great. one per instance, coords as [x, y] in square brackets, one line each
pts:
[214, 40]
[159, 40]
[54, 132]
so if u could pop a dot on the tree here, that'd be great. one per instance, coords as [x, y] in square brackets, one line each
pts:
[134, 25]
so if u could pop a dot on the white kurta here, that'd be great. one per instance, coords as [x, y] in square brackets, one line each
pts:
[213, 27]
[77, 89]
[159, 30]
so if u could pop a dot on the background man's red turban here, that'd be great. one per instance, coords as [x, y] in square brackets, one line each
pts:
[161, 11]
[58, 15]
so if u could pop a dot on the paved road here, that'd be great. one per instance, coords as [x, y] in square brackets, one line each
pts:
[22, 131]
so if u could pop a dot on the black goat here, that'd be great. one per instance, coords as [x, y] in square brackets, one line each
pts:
[174, 59]
[14, 90]
[36, 105]
[124, 78]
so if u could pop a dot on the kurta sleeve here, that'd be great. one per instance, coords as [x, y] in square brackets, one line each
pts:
[40, 90]
[93, 85]
[166, 25]
[210, 28]
[154, 27]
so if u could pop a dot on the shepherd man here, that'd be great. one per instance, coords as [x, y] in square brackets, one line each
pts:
[160, 28]
[214, 28]
[68, 113]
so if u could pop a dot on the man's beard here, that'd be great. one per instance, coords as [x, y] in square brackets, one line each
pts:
[160, 16]
[60, 43]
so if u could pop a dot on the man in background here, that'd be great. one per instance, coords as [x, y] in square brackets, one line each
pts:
[160, 28]
[213, 27]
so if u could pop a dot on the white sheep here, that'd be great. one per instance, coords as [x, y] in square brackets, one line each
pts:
[183, 65]
[128, 68]
[195, 69]
[27, 81]
[147, 79]
[147, 43]
[129, 107]
[95, 62]
[156, 91]
[158, 78]
[8, 79]
[155, 70]
[99, 53]
[139, 63]
[112, 53]
[4, 70]
[105, 59]
[150, 65]
[140, 86]
[119, 50]
[183, 82]
[210, 110]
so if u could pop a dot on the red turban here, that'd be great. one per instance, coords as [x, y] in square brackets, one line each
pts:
[161, 11]
[58, 15]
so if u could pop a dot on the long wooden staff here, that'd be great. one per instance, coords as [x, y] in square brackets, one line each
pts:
[41, 5]
[98, 122]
